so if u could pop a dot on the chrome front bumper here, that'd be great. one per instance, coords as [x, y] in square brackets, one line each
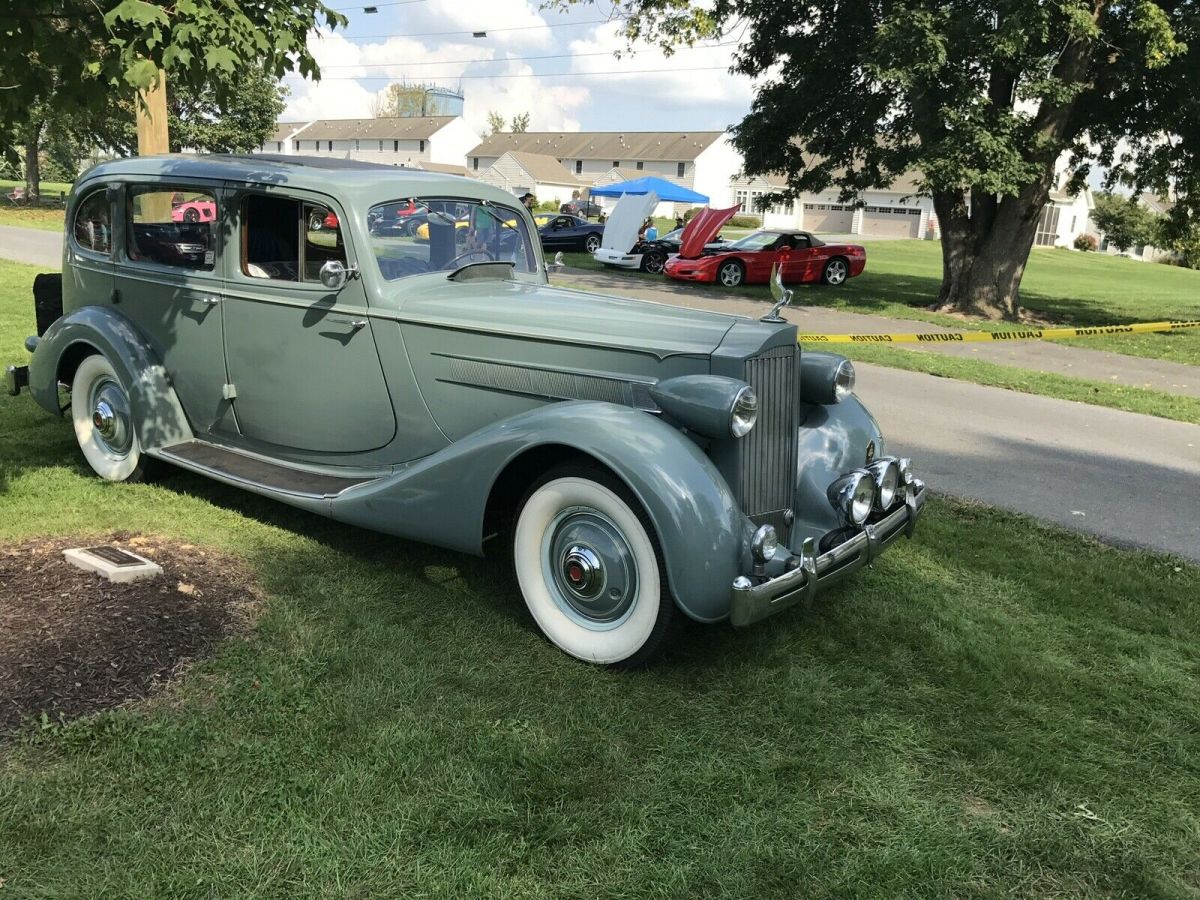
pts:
[752, 602]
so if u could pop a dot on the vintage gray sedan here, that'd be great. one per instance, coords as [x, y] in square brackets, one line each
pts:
[637, 460]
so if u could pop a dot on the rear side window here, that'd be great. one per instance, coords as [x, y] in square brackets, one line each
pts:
[284, 239]
[93, 225]
[172, 227]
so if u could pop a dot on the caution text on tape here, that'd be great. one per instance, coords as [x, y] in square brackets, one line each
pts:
[966, 337]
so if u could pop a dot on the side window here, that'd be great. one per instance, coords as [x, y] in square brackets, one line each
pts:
[802, 242]
[284, 239]
[93, 228]
[172, 227]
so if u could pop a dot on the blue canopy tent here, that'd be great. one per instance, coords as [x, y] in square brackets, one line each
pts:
[668, 191]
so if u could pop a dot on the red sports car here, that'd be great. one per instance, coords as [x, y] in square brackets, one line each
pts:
[802, 257]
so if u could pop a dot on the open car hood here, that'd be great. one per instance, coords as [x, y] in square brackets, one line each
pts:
[621, 228]
[702, 229]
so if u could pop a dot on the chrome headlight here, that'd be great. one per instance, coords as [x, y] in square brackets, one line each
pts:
[825, 377]
[853, 495]
[843, 380]
[764, 544]
[886, 475]
[744, 413]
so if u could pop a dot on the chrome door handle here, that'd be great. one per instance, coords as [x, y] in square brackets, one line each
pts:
[356, 324]
[210, 301]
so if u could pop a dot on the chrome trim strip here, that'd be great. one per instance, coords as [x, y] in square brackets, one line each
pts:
[751, 603]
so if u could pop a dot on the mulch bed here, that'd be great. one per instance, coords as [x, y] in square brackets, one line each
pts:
[73, 643]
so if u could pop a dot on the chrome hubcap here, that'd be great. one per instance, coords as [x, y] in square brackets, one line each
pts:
[589, 568]
[837, 272]
[110, 418]
[730, 276]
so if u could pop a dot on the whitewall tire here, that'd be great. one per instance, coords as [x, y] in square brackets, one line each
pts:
[590, 568]
[103, 420]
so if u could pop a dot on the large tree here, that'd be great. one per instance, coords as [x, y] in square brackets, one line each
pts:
[981, 99]
[74, 57]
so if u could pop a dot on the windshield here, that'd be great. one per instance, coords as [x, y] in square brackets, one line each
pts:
[412, 237]
[759, 240]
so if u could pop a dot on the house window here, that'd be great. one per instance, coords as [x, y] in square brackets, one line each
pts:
[579, 167]
[279, 146]
[395, 146]
[356, 145]
[640, 166]
[616, 164]
[1073, 219]
[679, 170]
[330, 145]
[475, 162]
[381, 146]
[316, 145]
[296, 146]
[422, 146]
[1047, 227]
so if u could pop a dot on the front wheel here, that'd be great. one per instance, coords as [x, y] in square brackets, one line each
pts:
[103, 419]
[590, 568]
[591, 243]
[653, 263]
[835, 273]
[731, 274]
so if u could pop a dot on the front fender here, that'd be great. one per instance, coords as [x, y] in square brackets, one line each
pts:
[159, 417]
[833, 441]
[442, 498]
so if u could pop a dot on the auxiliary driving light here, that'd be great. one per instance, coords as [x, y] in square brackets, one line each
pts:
[906, 475]
[886, 474]
[764, 544]
[853, 495]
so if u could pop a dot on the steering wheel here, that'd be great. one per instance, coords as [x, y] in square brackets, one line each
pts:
[488, 257]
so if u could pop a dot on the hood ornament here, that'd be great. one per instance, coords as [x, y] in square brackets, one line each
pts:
[782, 296]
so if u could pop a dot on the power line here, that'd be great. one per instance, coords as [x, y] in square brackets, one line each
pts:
[369, 5]
[502, 59]
[376, 37]
[530, 75]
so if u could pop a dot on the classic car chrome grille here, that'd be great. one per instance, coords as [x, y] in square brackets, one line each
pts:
[767, 455]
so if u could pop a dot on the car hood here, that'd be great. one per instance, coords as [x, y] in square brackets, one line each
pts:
[542, 313]
[621, 229]
[702, 229]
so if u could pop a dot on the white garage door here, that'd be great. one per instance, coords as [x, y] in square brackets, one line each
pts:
[891, 221]
[830, 218]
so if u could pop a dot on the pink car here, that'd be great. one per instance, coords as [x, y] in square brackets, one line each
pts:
[194, 211]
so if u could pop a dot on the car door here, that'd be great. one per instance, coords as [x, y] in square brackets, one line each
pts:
[90, 247]
[797, 263]
[303, 365]
[558, 233]
[759, 263]
[168, 281]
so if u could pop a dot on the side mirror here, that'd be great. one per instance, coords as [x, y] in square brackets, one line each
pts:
[333, 275]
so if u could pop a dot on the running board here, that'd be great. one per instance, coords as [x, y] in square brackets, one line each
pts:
[210, 458]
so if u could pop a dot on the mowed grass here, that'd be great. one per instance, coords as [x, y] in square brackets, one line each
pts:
[995, 709]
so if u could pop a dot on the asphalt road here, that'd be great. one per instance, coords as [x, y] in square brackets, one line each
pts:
[1128, 479]
[31, 245]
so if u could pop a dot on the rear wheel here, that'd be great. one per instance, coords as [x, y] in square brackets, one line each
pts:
[191, 215]
[731, 274]
[590, 568]
[103, 420]
[591, 243]
[836, 272]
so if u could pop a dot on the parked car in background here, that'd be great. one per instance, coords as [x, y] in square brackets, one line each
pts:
[585, 209]
[328, 221]
[654, 254]
[193, 211]
[564, 232]
[635, 461]
[622, 230]
[801, 256]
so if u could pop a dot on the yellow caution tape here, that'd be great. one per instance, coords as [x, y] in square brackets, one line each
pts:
[966, 337]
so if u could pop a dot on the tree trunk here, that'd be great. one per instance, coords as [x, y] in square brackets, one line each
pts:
[984, 253]
[33, 169]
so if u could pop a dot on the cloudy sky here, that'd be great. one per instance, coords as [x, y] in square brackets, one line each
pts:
[576, 84]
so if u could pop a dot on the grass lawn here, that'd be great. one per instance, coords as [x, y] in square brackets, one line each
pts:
[996, 708]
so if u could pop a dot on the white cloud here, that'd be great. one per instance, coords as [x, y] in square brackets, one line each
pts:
[569, 95]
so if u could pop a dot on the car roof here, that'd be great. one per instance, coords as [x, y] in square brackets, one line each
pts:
[370, 182]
